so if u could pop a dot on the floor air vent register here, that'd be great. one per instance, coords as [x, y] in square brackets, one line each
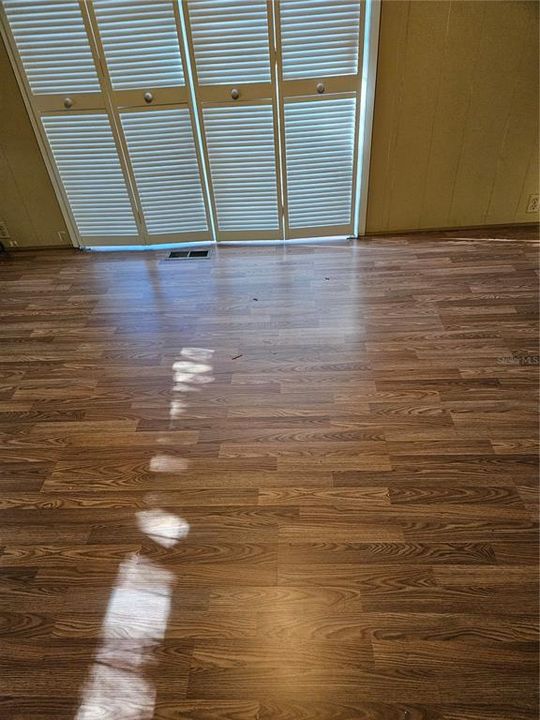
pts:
[188, 254]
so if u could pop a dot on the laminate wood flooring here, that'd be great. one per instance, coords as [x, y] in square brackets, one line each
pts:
[275, 484]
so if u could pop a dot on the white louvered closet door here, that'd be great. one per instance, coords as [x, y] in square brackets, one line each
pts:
[51, 42]
[184, 120]
[320, 46]
[144, 71]
[231, 48]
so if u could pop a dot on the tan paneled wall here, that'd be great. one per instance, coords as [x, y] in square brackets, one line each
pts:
[455, 137]
[28, 204]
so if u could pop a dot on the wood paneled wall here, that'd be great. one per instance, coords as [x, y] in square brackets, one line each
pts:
[28, 204]
[455, 137]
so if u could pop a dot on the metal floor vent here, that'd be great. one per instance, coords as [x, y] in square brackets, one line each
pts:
[188, 254]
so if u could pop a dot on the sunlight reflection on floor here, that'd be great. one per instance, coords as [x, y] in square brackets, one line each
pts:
[162, 527]
[135, 622]
[138, 610]
[167, 463]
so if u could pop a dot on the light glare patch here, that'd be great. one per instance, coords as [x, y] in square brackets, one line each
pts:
[190, 367]
[167, 463]
[182, 387]
[134, 624]
[177, 408]
[164, 528]
[182, 377]
[194, 353]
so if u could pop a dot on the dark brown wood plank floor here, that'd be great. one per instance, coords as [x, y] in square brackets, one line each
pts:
[278, 484]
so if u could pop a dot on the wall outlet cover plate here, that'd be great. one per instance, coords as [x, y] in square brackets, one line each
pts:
[4, 232]
[532, 205]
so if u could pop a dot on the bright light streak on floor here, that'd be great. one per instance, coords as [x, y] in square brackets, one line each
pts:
[139, 605]
[164, 528]
[134, 624]
[167, 463]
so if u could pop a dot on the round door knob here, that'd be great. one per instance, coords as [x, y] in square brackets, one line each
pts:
[68, 102]
[235, 94]
[320, 88]
[148, 97]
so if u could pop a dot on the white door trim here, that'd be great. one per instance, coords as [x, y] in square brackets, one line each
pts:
[367, 104]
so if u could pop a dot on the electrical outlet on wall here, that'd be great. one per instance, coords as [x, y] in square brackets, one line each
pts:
[13, 243]
[532, 205]
[4, 232]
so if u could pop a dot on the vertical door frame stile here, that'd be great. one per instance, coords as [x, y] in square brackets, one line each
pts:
[98, 53]
[275, 114]
[367, 102]
[39, 132]
[358, 110]
[276, 25]
[192, 81]
[198, 137]
[275, 69]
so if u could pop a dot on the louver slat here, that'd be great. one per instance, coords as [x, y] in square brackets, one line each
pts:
[88, 164]
[240, 142]
[53, 46]
[319, 141]
[140, 43]
[164, 161]
[319, 38]
[230, 40]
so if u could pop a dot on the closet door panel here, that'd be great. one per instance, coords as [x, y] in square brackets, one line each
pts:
[145, 73]
[234, 73]
[164, 160]
[87, 160]
[242, 153]
[53, 46]
[319, 143]
[140, 42]
[231, 41]
[319, 38]
[319, 70]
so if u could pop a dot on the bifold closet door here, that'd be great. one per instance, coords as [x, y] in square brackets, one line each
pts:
[172, 121]
[319, 70]
[146, 80]
[230, 42]
[106, 79]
